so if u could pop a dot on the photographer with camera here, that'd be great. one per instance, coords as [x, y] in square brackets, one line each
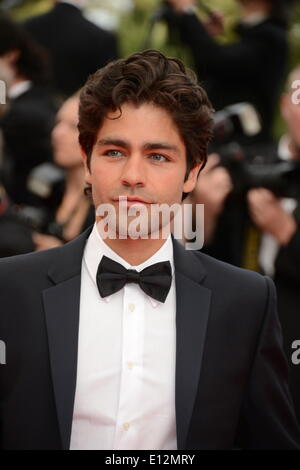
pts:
[270, 214]
[250, 69]
[279, 221]
[254, 224]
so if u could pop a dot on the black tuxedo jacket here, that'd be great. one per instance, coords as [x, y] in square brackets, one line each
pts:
[76, 46]
[231, 375]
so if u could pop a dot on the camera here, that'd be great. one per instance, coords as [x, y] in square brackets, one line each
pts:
[231, 125]
[281, 177]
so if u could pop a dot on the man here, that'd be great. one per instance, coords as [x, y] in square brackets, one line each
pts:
[76, 46]
[273, 224]
[133, 342]
[246, 69]
[279, 222]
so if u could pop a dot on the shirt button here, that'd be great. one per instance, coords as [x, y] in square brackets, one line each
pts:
[126, 426]
[131, 307]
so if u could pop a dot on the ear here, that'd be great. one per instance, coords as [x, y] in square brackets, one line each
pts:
[87, 173]
[191, 180]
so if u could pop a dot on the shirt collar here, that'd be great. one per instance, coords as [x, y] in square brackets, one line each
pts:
[96, 248]
[19, 89]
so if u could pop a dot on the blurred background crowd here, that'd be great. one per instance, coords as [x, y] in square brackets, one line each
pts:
[247, 56]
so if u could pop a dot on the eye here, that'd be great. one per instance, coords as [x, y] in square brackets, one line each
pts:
[158, 157]
[113, 153]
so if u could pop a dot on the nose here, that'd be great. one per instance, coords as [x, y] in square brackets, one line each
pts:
[134, 172]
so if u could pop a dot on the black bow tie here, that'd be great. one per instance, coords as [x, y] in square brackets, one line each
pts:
[155, 280]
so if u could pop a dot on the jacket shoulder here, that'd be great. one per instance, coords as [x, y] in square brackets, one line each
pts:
[233, 279]
[30, 262]
[64, 260]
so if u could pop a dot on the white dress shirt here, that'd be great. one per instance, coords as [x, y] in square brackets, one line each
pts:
[125, 392]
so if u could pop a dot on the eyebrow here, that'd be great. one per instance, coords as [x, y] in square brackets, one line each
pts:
[147, 146]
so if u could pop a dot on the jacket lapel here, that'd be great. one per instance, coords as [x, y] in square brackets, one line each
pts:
[61, 304]
[192, 311]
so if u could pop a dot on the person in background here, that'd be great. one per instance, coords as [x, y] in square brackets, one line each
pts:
[74, 213]
[278, 220]
[276, 246]
[29, 116]
[250, 69]
[76, 46]
[15, 236]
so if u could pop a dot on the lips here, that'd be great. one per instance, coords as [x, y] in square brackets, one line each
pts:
[132, 199]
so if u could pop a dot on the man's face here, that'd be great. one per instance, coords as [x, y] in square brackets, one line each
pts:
[140, 154]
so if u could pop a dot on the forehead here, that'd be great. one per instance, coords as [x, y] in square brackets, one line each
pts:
[144, 120]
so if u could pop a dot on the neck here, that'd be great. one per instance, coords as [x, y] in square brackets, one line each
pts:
[135, 251]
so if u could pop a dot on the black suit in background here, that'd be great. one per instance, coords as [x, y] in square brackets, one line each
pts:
[231, 375]
[26, 127]
[76, 46]
[250, 69]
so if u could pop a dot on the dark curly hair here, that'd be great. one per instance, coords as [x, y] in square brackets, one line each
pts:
[148, 77]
